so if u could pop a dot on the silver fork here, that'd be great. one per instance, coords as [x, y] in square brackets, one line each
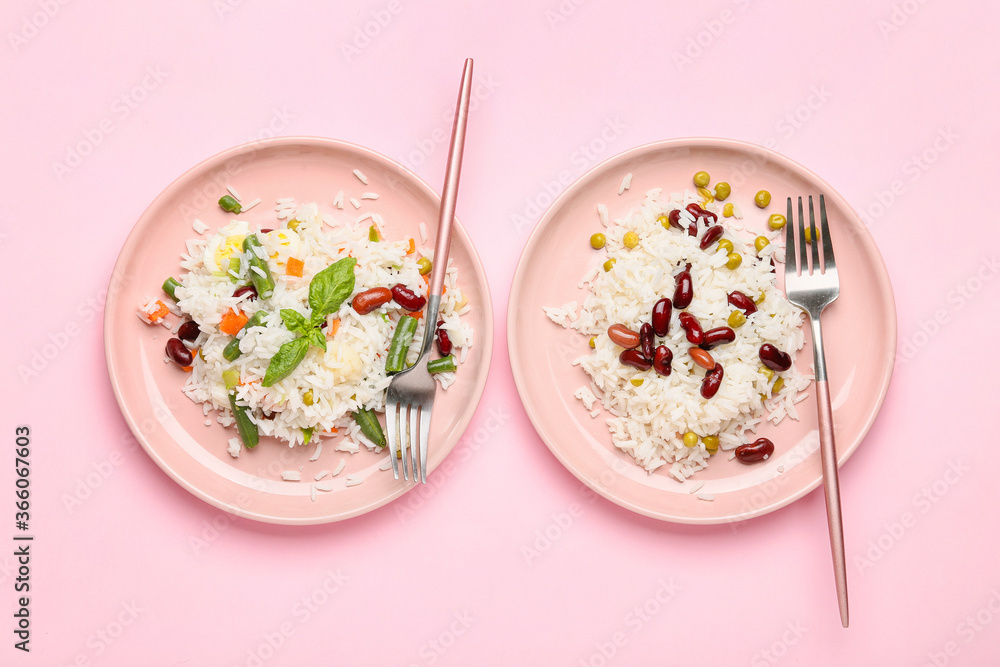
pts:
[812, 287]
[410, 397]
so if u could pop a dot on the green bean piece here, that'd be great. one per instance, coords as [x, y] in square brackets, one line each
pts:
[264, 284]
[169, 285]
[232, 350]
[231, 377]
[230, 204]
[395, 361]
[373, 233]
[246, 428]
[234, 269]
[370, 426]
[442, 365]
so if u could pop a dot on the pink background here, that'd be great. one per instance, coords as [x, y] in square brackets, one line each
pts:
[891, 102]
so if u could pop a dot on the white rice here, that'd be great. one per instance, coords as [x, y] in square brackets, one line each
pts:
[648, 421]
[626, 183]
[361, 177]
[350, 375]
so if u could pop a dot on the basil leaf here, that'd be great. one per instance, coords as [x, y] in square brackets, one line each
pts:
[284, 362]
[294, 321]
[329, 288]
[317, 338]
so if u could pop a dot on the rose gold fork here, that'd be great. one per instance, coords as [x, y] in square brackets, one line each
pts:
[411, 392]
[812, 287]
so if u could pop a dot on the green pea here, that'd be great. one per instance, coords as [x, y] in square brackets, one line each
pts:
[734, 260]
[776, 221]
[726, 245]
[597, 241]
[702, 179]
[424, 265]
[762, 198]
[722, 190]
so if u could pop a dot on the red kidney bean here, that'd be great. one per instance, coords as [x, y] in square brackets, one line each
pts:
[405, 297]
[646, 342]
[684, 291]
[718, 336]
[267, 230]
[698, 212]
[188, 331]
[675, 218]
[692, 328]
[634, 359]
[693, 229]
[711, 235]
[662, 357]
[713, 380]
[774, 358]
[177, 352]
[702, 358]
[367, 301]
[661, 317]
[743, 302]
[248, 289]
[623, 336]
[758, 450]
[443, 340]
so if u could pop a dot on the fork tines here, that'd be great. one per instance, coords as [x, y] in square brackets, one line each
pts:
[797, 230]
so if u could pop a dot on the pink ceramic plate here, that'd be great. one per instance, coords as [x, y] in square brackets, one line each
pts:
[172, 428]
[860, 333]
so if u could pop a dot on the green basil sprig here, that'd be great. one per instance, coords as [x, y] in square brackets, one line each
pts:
[327, 291]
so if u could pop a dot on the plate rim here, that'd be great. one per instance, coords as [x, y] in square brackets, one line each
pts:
[884, 287]
[484, 338]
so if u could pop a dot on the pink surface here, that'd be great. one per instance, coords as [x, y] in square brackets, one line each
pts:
[549, 273]
[505, 557]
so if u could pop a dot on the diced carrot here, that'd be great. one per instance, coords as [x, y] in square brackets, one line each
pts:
[413, 247]
[187, 369]
[294, 267]
[333, 328]
[418, 314]
[160, 312]
[332, 430]
[427, 281]
[232, 322]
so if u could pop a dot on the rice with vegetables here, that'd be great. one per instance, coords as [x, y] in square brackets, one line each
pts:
[693, 342]
[298, 328]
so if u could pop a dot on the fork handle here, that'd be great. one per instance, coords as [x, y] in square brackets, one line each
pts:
[831, 482]
[449, 196]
